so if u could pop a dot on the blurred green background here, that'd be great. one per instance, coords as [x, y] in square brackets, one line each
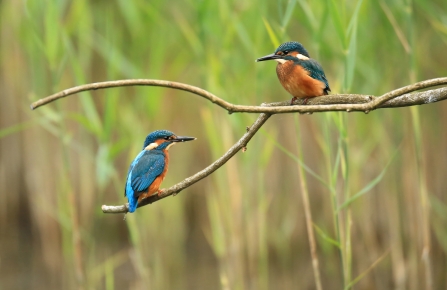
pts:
[376, 183]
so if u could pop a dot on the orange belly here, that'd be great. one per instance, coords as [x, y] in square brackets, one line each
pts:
[297, 81]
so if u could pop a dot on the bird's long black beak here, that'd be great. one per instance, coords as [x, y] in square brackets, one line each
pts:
[183, 139]
[269, 57]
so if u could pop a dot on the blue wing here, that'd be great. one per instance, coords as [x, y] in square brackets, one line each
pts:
[147, 166]
[315, 71]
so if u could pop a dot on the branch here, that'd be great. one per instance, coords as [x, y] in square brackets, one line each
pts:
[344, 102]
[173, 190]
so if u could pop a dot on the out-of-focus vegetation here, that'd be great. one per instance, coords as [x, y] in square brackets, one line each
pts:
[376, 183]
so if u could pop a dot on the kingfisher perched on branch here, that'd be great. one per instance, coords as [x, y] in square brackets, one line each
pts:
[300, 75]
[149, 168]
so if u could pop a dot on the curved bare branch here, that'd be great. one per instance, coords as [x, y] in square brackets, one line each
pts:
[173, 190]
[341, 102]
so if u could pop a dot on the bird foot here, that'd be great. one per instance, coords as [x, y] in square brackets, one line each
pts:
[160, 192]
[294, 99]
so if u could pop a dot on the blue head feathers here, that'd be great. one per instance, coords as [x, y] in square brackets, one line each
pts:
[156, 135]
[292, 46]
[161, 139]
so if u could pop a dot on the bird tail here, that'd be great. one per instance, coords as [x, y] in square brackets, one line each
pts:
[133, 201]
[132, 205]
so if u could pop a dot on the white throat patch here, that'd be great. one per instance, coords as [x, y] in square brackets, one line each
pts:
[280, 60]
[151, 146]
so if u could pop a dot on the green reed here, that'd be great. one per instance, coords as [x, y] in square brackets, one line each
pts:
[373, 183]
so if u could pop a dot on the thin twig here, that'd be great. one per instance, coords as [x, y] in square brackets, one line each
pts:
[347, 102]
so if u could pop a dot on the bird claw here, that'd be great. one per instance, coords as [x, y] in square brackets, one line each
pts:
[293, 100]
[160, 192]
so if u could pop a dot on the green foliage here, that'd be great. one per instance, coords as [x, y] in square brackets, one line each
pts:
[244, 226]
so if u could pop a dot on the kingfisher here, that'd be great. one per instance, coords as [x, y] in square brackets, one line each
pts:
[300, 75]
[149, 168]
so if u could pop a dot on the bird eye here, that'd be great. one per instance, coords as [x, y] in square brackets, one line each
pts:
[285, 51]
[167, 138]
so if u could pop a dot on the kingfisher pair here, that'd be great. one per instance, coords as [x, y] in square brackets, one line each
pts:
[300, 75]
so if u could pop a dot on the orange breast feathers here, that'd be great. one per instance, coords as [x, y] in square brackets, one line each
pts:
[297, 81]
[153, 188]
